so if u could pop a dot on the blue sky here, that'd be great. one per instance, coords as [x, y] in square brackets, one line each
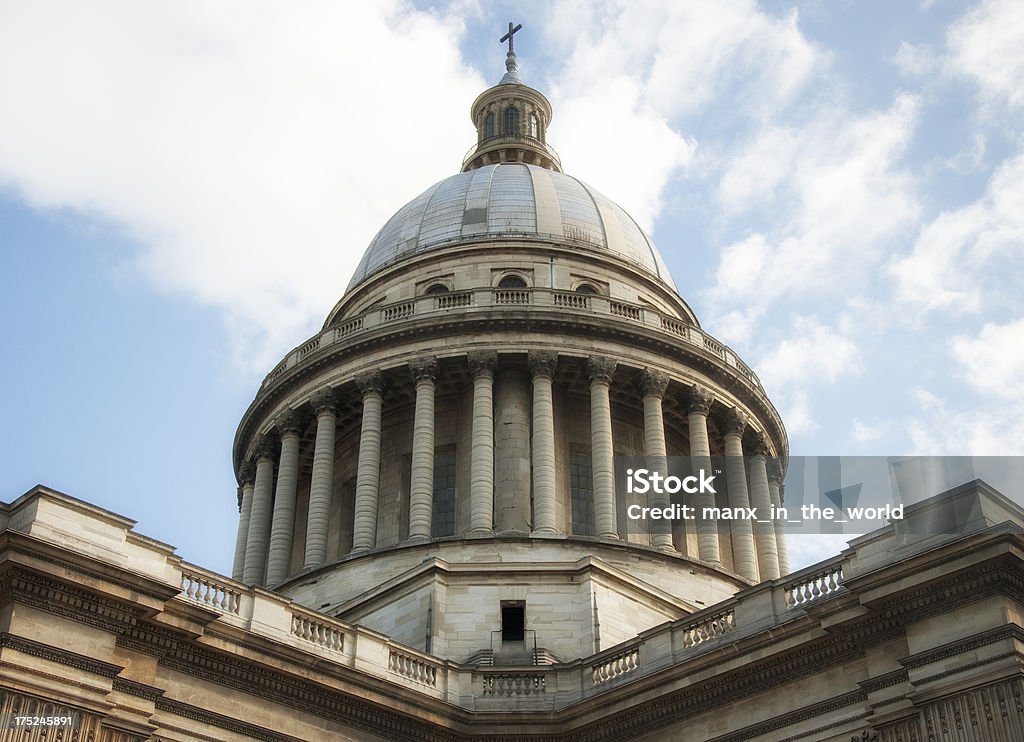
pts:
[837, 188]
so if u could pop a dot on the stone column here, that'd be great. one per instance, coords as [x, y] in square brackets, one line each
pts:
[735, 423]
[776, 491]
[259, 516]
[321, 487]
[511, 451]
[652, 385]
[364, 530]
[421, 489]
[482, 365]
[283, 528]
[761, 501]
[542, 366]
[600, 371]
[698, 404]
[247, 477]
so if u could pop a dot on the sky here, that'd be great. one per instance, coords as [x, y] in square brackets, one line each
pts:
[185, 189]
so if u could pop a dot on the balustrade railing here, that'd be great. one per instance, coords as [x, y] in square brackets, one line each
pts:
[208, 591]
[708, 628]
[616, 666]
[570, 300]
[318, 632]
[413, 668]
[484, 297]
[514, 684]
[820, 583]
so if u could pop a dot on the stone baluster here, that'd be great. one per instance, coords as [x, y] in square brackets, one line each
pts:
[776, 490]
[259, 516]
[321, 487]
[735, 423]
[761, 501]
[283, 528]
[600, 371]
[542, 367]
[247, 478]
[653, 385]
[364, 531]
[698, 405]
[421, 491]
[482, 365]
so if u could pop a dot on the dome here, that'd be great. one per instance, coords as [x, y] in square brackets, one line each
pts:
[511, 200]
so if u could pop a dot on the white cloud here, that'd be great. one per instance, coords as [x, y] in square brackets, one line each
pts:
[811, 354]
[970, 429]
[916, 60]
[252, 150]
[959, 262]
[634, 67]
[985, 46]
[865, 433]
[814, 353]
[993, 362]
[834, 200]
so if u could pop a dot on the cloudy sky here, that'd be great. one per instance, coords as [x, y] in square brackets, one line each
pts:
[185, 187]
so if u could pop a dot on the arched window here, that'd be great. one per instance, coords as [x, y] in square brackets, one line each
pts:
[435, 289]
[534, 126]
[512, 282]
[489, 125]
[586, 288]
[510, 122]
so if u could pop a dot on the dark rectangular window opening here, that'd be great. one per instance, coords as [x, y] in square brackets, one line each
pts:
[581, 493]
[443, 522]
[513, 622]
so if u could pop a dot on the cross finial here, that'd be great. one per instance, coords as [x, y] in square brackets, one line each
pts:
[509, 38]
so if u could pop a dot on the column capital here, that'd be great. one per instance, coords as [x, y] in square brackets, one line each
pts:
[756, 444]
[264, 448]
[246, 473]
[734, 421]
[423, 369]
[543, 362]
[774, 471]
[482, 362]
[370, 382]
[600, 369]
[698, 399]
[653, 383]
[289, 422]
[325, 400]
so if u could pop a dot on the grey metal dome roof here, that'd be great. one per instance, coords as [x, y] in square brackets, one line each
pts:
[521, 201]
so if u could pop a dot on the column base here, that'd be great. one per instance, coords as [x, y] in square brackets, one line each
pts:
[545, 532]
[481, 532]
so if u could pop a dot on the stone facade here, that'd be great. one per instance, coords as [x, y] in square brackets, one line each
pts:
[432, 545]
[901, 637]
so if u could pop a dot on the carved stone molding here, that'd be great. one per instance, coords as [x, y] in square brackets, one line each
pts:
[543, 363]
[482, 362]
[600, 369]
[289, 422]
[247, 473]
[734, 422]
[653, 383]
[423, 369]
[698, 399]
[325, 400]
[371, 382]
[265, 448]
[756, 444]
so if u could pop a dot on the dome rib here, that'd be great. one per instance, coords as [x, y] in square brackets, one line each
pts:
[506, 199]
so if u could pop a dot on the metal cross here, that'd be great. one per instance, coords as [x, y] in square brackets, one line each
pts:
[508, 37]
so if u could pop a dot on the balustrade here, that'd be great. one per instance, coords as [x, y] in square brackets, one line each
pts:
[209, 592]
[518, 684]
[616, 666]
[708, 628]
[818, 584]
[317, 632]
[412, 668]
